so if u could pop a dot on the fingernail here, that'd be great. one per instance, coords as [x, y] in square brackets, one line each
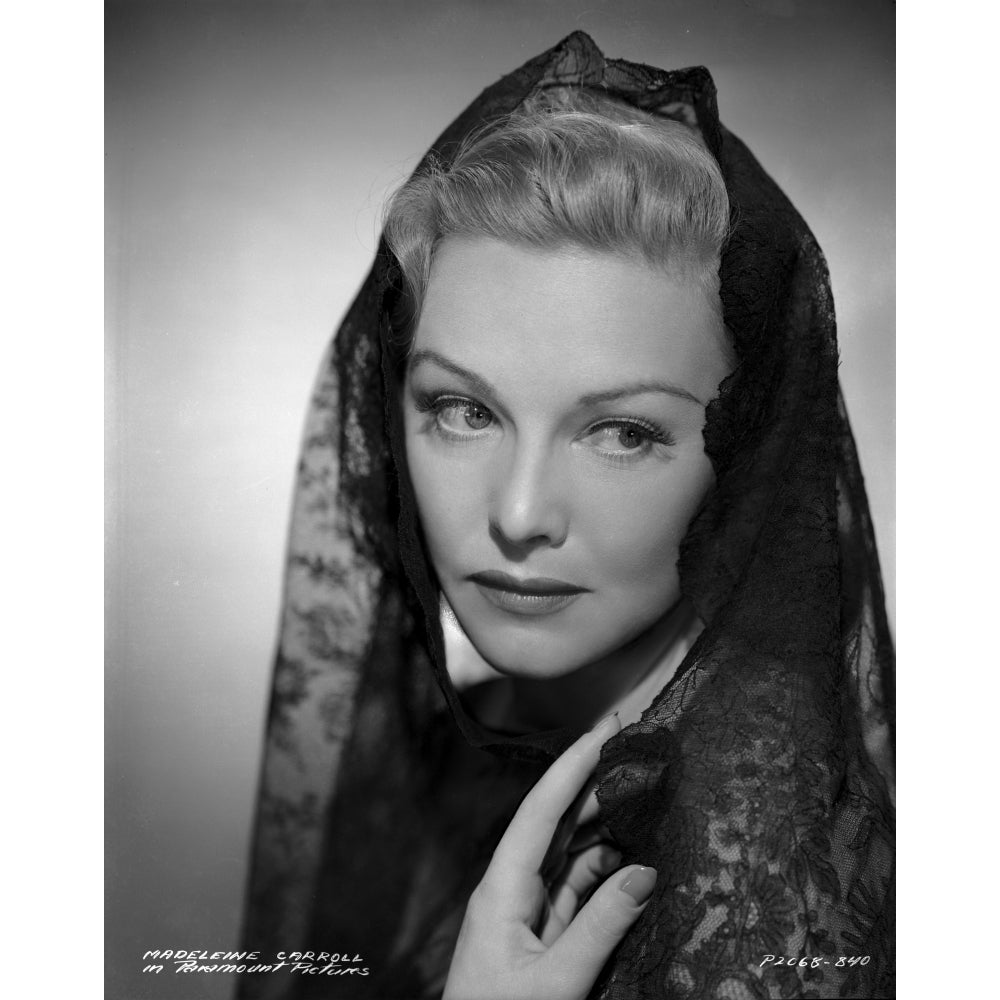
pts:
[639, 883]
[605, 722]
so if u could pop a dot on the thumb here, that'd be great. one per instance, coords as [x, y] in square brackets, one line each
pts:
[595, 931]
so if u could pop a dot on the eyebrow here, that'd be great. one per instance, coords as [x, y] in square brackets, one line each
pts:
[481, 385]
[417, 358]
[638, 389]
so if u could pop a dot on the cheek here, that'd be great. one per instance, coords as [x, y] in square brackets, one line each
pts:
[446, 498]
[637, 532]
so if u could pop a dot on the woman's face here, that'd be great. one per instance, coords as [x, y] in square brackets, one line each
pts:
[553, 406]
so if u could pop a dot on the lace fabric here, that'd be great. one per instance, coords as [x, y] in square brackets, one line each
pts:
[756, 783]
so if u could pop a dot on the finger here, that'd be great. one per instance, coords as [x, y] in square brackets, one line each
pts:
[575, 831]
[562, 839]
[520, 853]
[589, 810]
[589, 940]
[582, 873]
[586, 836]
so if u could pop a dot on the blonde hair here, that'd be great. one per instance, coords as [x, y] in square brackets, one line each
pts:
[582, 170]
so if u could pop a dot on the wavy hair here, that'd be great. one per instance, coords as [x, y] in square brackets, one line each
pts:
[578, 170]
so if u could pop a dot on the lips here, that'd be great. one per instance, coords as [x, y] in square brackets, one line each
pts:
[538, 595]
[535, 586]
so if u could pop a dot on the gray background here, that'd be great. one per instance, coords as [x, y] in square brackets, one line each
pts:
[249, 146]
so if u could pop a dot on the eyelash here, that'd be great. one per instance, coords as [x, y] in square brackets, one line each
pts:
[435, 404]
[651, 434]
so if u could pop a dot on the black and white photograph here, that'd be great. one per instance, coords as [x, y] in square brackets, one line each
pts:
[500, 587]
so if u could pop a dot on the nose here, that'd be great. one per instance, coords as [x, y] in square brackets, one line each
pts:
[530, 506]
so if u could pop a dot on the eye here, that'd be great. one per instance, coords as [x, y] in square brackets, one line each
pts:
[457, 418]
[626, 436]
[454, 413]
[625, 439]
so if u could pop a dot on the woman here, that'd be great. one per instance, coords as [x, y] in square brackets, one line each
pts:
[618, 477]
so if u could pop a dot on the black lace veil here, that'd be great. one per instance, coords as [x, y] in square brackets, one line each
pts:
[757, 783]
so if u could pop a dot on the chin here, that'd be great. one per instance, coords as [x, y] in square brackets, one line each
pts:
[540, 656]
[536, 664]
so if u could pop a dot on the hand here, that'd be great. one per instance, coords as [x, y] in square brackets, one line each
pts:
[498, 956]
